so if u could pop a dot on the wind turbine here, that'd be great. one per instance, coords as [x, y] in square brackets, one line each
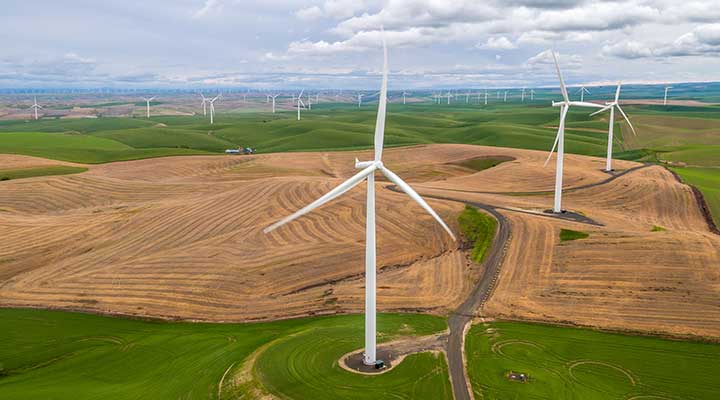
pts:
[612, 106]
[300, 103]
[560, 137]
[204, 102]
[523, 95]
[449, 96]
[404, 94]
[666, 92]
[368, 172]
[467, 97]
[148, 105]
[273, 102]
[532, 95]
[212, 108]
[505, 97]
[35, 107]
[582, 92]
[360, 96]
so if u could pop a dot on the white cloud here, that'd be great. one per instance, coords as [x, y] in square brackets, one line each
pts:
[336, 9]
[208, 6]
[309, 13]
[703, 40]
[497, 43]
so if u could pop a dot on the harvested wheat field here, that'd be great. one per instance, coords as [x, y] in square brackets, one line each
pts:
[181, 237]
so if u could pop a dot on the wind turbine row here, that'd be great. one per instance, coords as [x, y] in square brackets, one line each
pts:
[367, 173]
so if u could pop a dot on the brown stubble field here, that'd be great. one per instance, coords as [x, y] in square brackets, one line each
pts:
[181, 237]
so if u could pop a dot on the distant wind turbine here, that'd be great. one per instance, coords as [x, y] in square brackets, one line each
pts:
[204, 103]
[523, 95]
[300, 104]
[532, 95]
[666, 93]
[273, 102]
[148, 104]
[612, 106]
[360, 96]
[212, 108]
[404, 94]
[35, 107]
[368, 173]
[486, 97]
[505, 97]
[582, 92]
[560, 137]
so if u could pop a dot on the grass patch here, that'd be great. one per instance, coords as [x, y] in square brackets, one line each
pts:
[483, 163]
[62, 355]
[568, 234]
[656, 228]
[20, 173]
[479, 228]
[573, 363]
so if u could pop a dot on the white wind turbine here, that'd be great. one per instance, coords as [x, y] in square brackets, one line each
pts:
[273, 102]
[467, 97]
[35, 107]
[148, 104]
[486, 96]
[360, 96]
[300, 103]
[505, 97]
[523, 95]
[612, 106]
[532, 95]
[582, 92]
[666, 93]
[368, 172]
[204, 103]
[560, 137]
[449, 96]
[404, 94]
[212, 108]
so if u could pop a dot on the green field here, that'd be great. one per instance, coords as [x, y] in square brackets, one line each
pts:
[20, 173]
[327, 127]
[571, 363]
[62, 355]
[708, 181]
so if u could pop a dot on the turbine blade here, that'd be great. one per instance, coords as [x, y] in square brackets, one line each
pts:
[301, 93]
[626, 119]
[382, 106]
[563, 89]
[561, 125]
[601, 110]
[413, 195]
[617, 92]
[585, 104]
[337, 191]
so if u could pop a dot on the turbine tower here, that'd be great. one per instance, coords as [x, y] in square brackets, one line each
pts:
[404, 94]
[522, 97]
[612, 106]
[666, 93]
[368, 172]
[560, 137]
[212, 108]
[582, 92]
[486, 96]
[360, 96]
[35, 107]
[148, 104]
[505, 97]
[532, 95]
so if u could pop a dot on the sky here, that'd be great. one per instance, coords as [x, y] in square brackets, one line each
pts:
[278, 44]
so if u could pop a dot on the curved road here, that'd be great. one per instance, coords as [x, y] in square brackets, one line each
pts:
[460, 319]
